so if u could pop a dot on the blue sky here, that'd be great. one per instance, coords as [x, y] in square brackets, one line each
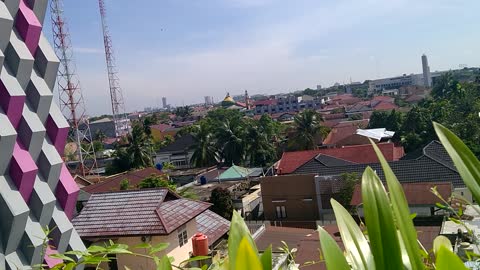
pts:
[186, 49]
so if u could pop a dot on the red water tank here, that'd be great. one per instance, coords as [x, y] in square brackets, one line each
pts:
[200, 244]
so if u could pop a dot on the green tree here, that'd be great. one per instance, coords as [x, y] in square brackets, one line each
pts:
[183, 112]
[446, 87]
[140, 148]
[259, 150]
[307, 129]
[124, 184]
[205, 152]
[154, 181]
[349, 180]
[98, 146]
[221, 199]
[100, 136]
[147, 122]
[231, 141]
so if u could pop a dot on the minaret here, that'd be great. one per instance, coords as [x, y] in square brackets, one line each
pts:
[247, 100]
[426, 72]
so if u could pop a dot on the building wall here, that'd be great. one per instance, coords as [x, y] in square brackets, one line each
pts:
[295, 192]
[179, 160]
[173, 250]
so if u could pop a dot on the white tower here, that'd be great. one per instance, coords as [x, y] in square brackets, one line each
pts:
[427, 78]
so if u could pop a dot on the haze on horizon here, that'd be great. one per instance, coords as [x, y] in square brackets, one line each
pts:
[187, 49]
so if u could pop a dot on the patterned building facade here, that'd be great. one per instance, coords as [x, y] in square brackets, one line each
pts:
[36, 189]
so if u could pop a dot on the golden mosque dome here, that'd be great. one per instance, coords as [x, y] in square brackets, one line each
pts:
[228, 98]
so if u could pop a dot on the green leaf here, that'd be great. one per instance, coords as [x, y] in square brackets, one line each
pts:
[465, 161]
[159, 247]
[382, 231]
[247, 258]
[266, 258]
[69, 266]
[334, 257]
[96, 249]
[194, 259]
[401, 212]
[164, 264]
[413, 216]
[441, 241]
[61, 257]
[238, 232]
[95, 260]
[77, 253]
[143, 245]
[353, 239]
[447, 260]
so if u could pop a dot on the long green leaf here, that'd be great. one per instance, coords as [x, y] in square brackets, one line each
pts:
[382, 231]
[401, 212]
[247, 258]
[164, 264]
[447, 260]
[266, 258]
[334, 257]
[355, 243]
[441, 241]
[465, 161]
[238, 232]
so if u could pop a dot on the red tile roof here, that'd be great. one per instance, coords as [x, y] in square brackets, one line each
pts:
[112, 183]
[416, 193]
[384, 98]
[275, 235]
[136, 212]
[265, 102]
[385, 106]
[344, 130]
[362, 154]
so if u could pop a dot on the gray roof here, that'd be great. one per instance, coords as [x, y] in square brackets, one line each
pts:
[183, 143]
[433, 166]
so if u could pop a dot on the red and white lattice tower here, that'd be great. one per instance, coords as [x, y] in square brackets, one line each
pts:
[116, 96]
[70, 94]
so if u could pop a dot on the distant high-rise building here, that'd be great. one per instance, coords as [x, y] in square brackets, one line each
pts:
[164, 102]
[208, 100]
[427, 78]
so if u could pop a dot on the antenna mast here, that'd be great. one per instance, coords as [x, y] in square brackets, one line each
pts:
[72, 103]
[116, 96]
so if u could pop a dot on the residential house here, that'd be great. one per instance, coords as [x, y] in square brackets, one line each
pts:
[420, 197]
[107, 127]
[122, 217]
[305, 194]
[161, 130]
[237, 173]
[341, 134]
[179, 153]
[356, 154]
[112, 183]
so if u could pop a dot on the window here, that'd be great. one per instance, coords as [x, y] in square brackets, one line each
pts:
[182, 235]
[280, 210]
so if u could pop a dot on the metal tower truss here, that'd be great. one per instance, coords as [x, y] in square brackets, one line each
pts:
[72, 103]
[116, 96]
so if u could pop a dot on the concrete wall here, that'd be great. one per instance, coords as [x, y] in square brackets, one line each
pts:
[292, 191]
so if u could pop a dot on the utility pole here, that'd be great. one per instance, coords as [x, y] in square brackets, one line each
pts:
[72, 103]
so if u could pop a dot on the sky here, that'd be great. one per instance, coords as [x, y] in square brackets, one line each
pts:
[187, 49]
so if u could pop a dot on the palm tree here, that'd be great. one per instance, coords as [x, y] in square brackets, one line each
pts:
[205, 152]
[308, 129]
[231, 140]
[259, 149]
[140, 148]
